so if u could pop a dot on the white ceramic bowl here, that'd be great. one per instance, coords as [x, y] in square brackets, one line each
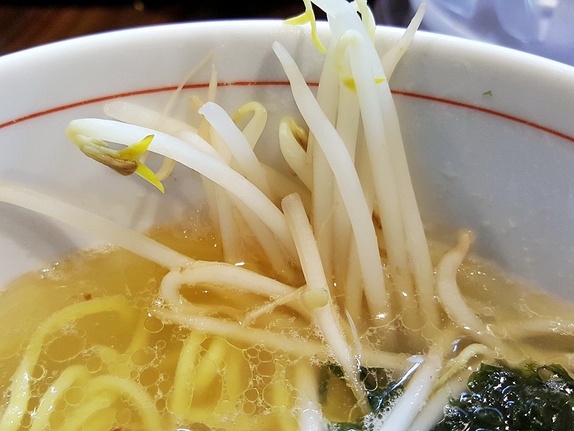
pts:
[489, 134]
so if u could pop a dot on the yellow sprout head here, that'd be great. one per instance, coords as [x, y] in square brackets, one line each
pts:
[124, 162]
[308, 17]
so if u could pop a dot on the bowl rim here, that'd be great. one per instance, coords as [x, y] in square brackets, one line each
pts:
[440, 51]
[477, 53]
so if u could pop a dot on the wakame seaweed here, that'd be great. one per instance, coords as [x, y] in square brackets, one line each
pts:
[381, 392]
[527, 398]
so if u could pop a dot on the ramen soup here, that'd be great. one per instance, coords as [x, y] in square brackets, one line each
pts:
[304, 301]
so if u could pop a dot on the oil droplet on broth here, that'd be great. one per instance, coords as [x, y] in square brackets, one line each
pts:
[149, 377]
[153, 325]
[94, 364]
[74, 395]
[143, 356]
[65, 347]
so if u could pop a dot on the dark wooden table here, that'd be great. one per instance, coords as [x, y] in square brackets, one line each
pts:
[26, 26]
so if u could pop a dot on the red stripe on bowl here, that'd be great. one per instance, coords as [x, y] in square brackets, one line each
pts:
[285, 83]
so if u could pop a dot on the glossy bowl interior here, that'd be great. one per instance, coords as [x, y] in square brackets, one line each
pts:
[488, 132]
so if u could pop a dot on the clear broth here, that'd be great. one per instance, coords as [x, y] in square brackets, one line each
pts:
[145, 350]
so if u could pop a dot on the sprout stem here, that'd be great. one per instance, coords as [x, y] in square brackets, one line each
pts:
[96, 226]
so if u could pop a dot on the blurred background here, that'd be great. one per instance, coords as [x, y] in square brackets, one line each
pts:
[24, 24]
[541, 27]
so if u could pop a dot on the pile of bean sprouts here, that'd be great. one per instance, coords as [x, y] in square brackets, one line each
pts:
[343, 235]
